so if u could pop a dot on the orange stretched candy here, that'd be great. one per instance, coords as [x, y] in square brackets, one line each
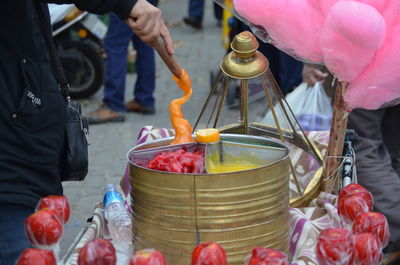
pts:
[182, 127]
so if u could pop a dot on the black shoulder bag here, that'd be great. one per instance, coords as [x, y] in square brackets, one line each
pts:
[75, 167]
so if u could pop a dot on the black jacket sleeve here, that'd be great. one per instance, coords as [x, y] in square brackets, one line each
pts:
[121, 7]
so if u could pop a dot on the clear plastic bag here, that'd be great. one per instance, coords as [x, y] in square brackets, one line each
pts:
[311, 106]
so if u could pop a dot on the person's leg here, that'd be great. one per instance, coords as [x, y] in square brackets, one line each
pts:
[146, 75]
[196, 12]
[218, 12]
[390, 130]
[13, 239]
[116, 45]
[289, 72]
[374, 169]
[196, 9]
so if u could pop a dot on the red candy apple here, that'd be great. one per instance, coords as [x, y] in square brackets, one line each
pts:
[375, 223]
[148, 257]
[352, 189]
[350, 207]
[35, 256]
[209, 253]
[334, 246]
[97, 252]
[368, 249]
[265, 256]
[44, 227]
[58, 203]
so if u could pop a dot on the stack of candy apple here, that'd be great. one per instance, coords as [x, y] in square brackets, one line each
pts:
[363, 236]
[44, 230]
[102, 252]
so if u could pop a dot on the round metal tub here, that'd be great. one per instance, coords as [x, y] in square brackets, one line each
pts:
[240, 210]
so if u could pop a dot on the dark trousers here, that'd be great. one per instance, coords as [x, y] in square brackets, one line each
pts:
[196, 10]
[378, 156]
[12, 232]
[116, 44]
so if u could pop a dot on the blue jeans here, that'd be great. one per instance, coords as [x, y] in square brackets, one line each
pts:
[116, 44]
[196, 9]
[13, 239]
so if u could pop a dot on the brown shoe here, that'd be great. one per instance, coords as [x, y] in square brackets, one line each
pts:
[134, 106]
[105, 114]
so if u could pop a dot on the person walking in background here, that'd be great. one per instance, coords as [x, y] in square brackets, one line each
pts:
[196, 14]
[116, 45]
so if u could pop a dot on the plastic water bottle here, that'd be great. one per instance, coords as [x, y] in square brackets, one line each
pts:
[119, 223]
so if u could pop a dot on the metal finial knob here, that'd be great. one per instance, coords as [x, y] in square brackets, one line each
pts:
[244, 62]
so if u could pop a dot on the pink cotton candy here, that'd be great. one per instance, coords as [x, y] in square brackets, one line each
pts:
[293, 25]
[323, 6]
[377, 4]
[358, 40]
[347, 51]
[380, 82]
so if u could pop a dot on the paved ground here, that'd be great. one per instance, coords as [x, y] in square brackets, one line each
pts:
[199, 52]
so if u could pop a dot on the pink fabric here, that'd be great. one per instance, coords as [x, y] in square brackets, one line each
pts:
[146, 135]
[358, 40]
[307, 223]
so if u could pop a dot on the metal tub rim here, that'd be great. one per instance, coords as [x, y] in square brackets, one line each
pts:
[223, 136]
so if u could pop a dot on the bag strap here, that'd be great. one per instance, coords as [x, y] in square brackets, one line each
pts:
[46, 29]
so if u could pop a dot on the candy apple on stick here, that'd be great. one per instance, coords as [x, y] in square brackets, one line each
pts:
[97, 252]
[265, 256]
[335, 247]
[35, 256]
[147, 257]
[367, 249]
[350, 207]
[58, 203]
[353, 200]
[209, 253]
[375, 223]
[353, 189]
[44, 228]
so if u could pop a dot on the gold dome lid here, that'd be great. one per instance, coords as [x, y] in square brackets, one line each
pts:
[244, 62]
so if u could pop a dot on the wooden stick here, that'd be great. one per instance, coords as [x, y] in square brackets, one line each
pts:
[331, 183]
[169, 60]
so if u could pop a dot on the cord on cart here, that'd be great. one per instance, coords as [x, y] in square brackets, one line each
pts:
[348, 170]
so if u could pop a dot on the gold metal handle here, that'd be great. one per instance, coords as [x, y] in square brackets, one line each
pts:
[169, 60]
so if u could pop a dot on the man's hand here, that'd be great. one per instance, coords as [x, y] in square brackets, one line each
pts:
[312, 75]
[147, 22]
